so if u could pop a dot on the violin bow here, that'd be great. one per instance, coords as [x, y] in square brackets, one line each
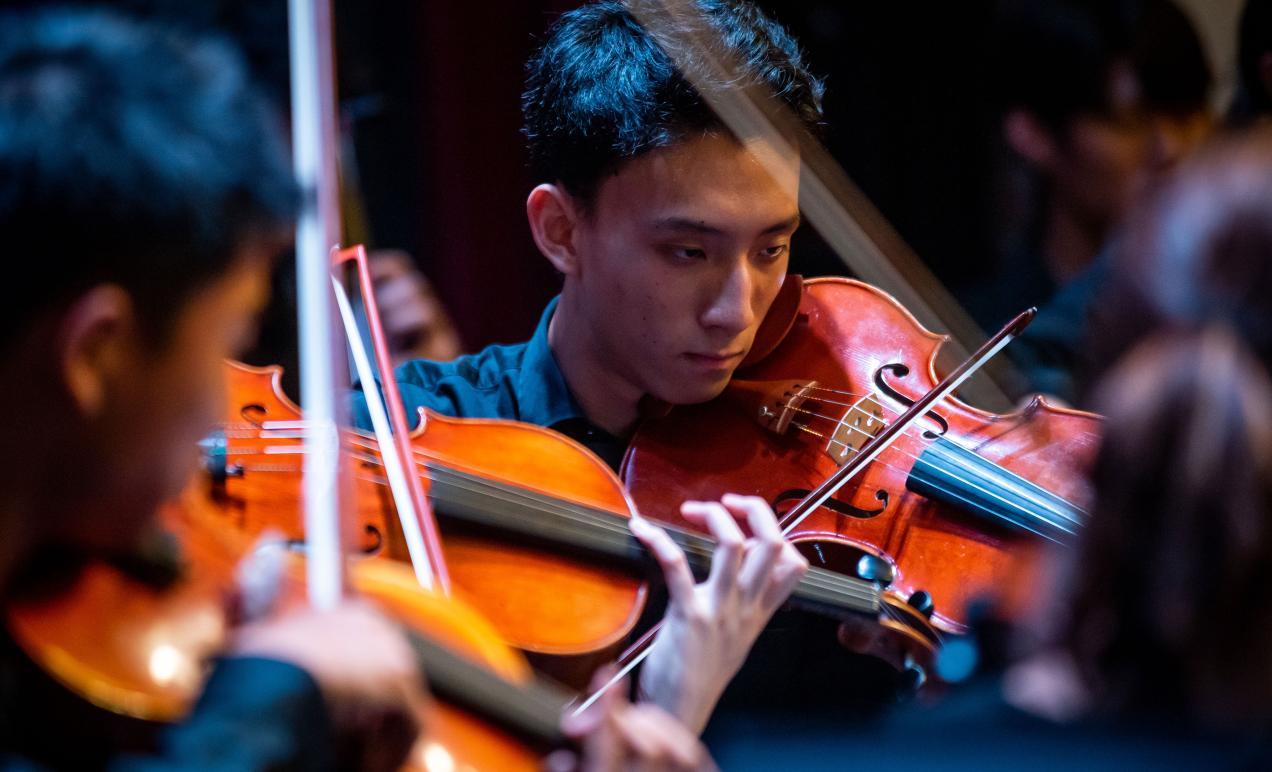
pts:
[388, 417]
[327, 481]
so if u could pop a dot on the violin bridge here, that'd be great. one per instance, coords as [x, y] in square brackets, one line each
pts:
[861, 422]
[772, 404]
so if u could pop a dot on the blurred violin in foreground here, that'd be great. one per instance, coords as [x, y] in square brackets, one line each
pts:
[136, 650]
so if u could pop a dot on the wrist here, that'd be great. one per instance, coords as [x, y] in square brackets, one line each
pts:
[688, 699]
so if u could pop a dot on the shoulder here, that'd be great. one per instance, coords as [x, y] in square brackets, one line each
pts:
[485, 370]
[480, 385]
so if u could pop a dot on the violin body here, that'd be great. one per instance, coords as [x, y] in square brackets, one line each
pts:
[541, 600]
[853, 359]
[138, 653]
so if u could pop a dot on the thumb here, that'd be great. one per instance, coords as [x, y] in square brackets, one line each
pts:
[259, 578]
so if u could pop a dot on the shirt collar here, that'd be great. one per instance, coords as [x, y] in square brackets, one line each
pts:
[543, 396]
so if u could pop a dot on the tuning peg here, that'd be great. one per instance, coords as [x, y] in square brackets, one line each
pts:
[921, 601]
[875, 569]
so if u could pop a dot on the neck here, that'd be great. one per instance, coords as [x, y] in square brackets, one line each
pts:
[1069, 243]
[607, 399]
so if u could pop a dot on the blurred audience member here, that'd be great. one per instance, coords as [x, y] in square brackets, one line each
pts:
[1200, 252]
[415, 321]
[1098, 99]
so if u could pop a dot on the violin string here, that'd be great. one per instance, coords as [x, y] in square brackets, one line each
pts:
[790, 405]
[834, 587]
[238, 433]
[897, 450]
[849, 427]
[612, 523]
[967, 482]
[970, 483]
[831, 586]
[849, 450]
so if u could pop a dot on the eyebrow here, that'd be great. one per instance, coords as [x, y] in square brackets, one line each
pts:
[683, 224]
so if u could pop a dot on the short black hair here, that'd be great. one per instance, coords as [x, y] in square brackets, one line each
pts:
[129, 154]
[602, 91]
[1054, 57]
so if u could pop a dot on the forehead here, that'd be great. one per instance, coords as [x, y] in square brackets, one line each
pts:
[711, 178]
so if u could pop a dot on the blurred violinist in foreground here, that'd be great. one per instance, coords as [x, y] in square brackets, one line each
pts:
[143, 193]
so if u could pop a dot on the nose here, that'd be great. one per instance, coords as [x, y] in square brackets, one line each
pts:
[730, 311]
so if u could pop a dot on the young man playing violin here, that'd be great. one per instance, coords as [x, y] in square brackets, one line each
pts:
[144, 190]
[673, 238]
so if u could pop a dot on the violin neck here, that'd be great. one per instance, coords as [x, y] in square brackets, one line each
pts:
[467, 501]
[531, 711]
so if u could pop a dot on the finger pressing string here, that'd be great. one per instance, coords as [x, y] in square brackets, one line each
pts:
[671, 559]
[730, 549]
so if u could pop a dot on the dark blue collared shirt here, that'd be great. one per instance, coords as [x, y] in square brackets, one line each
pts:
[519, 382]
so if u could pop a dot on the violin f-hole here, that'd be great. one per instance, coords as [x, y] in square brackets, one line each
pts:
[254, 413]
[900, 371]
[784, 500]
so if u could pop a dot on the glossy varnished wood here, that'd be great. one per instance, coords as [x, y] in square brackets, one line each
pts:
[540, 601]
[141, 652]
[845, 336]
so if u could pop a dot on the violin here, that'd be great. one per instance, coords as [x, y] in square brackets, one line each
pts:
[136, 651]
[534, 526]
[953, 511]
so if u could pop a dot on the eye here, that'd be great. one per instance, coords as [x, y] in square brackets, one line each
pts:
[688, 253]
[775, 251]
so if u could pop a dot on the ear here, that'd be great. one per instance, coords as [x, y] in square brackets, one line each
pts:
[96, 338]
[554, 218]
[1026, 135]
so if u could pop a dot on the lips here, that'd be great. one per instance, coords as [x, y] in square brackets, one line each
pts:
[715, 360]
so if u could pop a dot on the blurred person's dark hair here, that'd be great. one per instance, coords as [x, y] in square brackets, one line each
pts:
[603, 90]
[129, 154]
[1254, 62]
[1198, 251]
[1170, 617]
[1055, 58]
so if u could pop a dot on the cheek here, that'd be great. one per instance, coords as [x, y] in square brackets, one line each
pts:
[630, 294]
[194, 404]
[767, 285]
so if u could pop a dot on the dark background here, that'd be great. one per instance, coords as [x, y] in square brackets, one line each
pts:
[434, 162]
[431, 94]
